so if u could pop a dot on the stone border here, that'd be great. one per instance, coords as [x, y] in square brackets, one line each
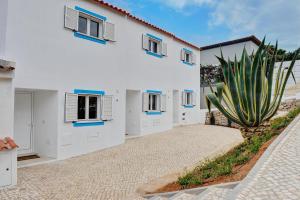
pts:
[260, 163]
[197, 190]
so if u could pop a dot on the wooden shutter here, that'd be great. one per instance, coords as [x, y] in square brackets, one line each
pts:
[182, 55]
[109, 31]
[183, 98]
[107, 106]
[71, 107]
[163, 103]
[146, 42]
[194, 96]
[164, 49]
[71, 18]
[194, 58]
[145, 102]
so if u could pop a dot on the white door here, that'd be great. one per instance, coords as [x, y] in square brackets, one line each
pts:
[175, 107]
[23, 122]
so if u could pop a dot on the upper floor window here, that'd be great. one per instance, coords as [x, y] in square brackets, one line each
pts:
[90, 26]
[154, 46]
[188, 57]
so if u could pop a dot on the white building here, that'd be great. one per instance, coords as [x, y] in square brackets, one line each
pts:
[230, 49]
[87, 74]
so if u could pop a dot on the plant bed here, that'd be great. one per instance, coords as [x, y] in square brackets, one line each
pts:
[235, 164]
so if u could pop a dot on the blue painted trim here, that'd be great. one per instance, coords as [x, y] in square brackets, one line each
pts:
[154, 37]
[90, 13]
[189, 106]
[153, 113]
[187, 50]
[154, 54]
[79, 91]
[86, 37]
[187, 63]
[154, 91]
[188, 90]
[82, 124]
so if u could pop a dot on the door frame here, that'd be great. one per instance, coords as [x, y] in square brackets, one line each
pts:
[31, 150]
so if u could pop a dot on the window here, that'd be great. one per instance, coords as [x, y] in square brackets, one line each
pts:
[187, 57]
[88, 107]
[82, 25]
[153, 46]
[154, 102]
[94, 30]
[90, 26]
[189, 98]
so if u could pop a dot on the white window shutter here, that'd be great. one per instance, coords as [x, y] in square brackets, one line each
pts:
[145, 42]
[71, 18]
[194, 95]
[183, 98]
[164, 50]
[163, 103]
[107, 106]
[71, 107]
[109, 31]
[145, 102]
[194, 58]
[182, 55]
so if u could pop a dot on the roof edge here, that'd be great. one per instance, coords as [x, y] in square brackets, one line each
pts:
[251, 38]
[156, 28]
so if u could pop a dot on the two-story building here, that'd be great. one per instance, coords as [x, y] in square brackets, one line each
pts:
[80, 75]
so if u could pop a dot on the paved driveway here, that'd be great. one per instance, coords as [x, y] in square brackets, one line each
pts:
[117, 172]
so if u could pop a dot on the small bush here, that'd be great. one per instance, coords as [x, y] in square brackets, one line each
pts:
[224, 170]
[242, 159]
[279, 123]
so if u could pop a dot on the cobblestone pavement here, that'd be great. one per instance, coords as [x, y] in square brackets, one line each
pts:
[279, 175]
[115, 173]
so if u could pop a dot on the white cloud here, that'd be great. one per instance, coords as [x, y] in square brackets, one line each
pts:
[277, 19]
[181, 4]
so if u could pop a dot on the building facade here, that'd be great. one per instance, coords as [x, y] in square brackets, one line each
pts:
[88, 74]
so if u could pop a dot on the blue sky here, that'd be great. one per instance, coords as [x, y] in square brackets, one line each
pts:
[206, 22]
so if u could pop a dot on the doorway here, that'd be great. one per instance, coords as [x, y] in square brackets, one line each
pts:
[23, 124]
[175, 107]
[133, 111]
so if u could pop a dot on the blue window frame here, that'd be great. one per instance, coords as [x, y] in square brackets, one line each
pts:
[90, 26]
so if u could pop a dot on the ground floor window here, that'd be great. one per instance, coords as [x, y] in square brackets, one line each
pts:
[188, 98]
[154, 102]
[88, 107]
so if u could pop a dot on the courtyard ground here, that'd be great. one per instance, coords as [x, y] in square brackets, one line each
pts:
[117, 172]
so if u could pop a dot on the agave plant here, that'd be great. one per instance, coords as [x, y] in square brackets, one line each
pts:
[246, 96]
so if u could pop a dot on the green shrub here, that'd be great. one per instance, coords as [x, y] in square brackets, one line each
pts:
[255, 144]
[292, 114]
[279, 123]
[242, 159]
[224, 170]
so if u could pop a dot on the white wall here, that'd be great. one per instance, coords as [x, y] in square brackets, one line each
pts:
[49, 57]
[209, 56]
[3, 21]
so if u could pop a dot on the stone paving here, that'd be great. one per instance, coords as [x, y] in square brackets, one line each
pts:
[116, 173]
[278, 176]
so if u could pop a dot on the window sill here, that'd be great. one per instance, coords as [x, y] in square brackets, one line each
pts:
[90, 38]
[187, 63]
[153, 113]
[189, 106]
[154, 54]
[88, 123]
